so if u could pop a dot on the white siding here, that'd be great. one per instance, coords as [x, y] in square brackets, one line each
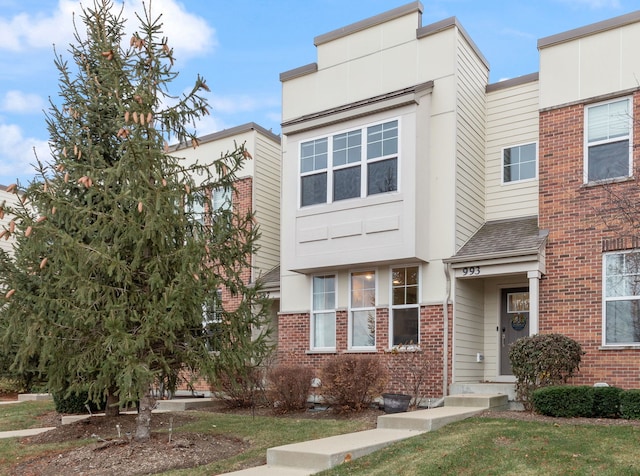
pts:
[267, 202]
[468, 331]
[512, 119]
[471, 110]
[10, 198]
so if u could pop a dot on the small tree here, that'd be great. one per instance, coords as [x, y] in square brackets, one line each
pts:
[114, 263]
[542, 360]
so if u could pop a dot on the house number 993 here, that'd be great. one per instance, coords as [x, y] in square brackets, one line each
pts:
[471, 271]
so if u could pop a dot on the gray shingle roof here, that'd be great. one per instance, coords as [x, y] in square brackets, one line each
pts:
[501, 238]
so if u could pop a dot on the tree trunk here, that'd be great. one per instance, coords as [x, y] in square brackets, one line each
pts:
[113, 404]
[143, 420]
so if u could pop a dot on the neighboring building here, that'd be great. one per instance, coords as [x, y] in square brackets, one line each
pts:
[258, 190]
[424, 207]
[6, 242]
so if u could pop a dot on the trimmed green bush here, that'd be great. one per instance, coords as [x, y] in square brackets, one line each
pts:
[563, 401]
[630, 404]
[543, 360]
[606, 402]
[75, 403]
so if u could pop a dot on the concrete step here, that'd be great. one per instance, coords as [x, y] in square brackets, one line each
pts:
[325, 453]
[427, 420]
[182, 404]
[488, 401]
[30, 397]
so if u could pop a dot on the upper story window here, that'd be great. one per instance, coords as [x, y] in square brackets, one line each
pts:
[323, 314]
[622, 298]
[362, 310]
[352, 164]
[519, 163]
[221, 199]
[405, 308]
[607, 140]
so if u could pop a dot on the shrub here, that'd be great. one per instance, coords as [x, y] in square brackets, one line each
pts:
[241, 390]
[75, 403]
[606, 402]
[542, 360]
[630, 404]
[563, 401]
[352, 382]
[289, 388]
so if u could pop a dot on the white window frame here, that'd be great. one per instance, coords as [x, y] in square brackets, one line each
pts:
[393, 307]
[502, 166]
[588, 144]
[364, 163]
[315, 311]
[353, 309]
[606, 299]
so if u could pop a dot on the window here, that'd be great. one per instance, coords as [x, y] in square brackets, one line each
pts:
[345, 166]
[608, 139]
[622, 298]
[519, 163]
[405, 310]
[212, 322]
[323, 315]
[221, 199]
[362, 315]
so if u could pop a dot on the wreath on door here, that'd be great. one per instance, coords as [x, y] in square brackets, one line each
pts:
[518, 321]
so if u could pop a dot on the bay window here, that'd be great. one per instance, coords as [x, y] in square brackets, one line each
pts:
[346, 166]
[323, 315]
[362, 311]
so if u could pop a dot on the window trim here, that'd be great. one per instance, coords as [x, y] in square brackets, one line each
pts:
[519, 181]
[351, 309]
[363, 163]
[585, 130]
[313, 312]
[392, 307]
[613, 345]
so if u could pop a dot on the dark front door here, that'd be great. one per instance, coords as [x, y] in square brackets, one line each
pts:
[514, 323]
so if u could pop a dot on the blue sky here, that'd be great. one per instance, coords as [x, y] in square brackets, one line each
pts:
[242, 46]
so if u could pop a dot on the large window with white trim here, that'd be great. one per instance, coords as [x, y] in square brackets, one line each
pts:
[622, 298]
[607, 140]
[323, 314]
[362, 310]
[351, 164]
[405, 308]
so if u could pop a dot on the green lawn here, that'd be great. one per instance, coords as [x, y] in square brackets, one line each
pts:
[477, 446]
[483, 446]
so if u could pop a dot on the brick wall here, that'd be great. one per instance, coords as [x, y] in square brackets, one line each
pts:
[571, 290]
[293, 348]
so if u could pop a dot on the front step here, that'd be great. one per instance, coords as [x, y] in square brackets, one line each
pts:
[428, 420]
[487, 401]
[325, 453]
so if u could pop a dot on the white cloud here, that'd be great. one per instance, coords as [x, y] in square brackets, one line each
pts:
[19, 102]
[17, 154]
[188, 34]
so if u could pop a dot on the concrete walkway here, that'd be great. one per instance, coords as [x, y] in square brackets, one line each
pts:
[309, 457]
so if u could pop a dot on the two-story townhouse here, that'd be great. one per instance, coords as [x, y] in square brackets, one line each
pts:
[589, 139]
[423, 206]
[258, 190]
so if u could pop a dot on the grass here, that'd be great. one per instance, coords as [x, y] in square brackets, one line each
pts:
[482, 446]
[477, 446]
[23, 415]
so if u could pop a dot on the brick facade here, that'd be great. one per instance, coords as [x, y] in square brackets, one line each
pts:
[294, 335]
[571, 291]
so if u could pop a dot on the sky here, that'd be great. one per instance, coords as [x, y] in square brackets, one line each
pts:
[242, 46]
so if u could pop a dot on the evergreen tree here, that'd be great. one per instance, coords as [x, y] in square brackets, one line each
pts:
[114, 264]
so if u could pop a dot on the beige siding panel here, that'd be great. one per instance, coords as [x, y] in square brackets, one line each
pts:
[512, 119]
[470, 174]
[267, 203]
[468, 331]
[10, 198]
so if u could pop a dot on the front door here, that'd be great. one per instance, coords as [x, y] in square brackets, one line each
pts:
[514, 323]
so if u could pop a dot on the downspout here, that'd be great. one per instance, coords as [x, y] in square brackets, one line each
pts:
[445, 317]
